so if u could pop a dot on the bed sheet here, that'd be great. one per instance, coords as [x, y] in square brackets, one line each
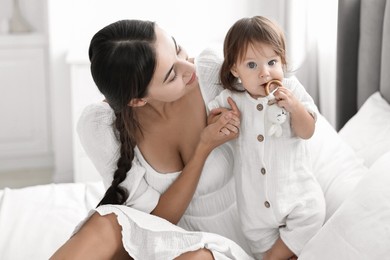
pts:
[360, 228]
[35, 221]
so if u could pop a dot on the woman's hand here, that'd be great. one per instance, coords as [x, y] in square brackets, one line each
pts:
[223, 125]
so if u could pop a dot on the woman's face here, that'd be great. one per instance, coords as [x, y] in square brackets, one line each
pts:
[260, 65]
[174, 75]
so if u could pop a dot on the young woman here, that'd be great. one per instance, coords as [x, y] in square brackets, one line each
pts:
[158, 151]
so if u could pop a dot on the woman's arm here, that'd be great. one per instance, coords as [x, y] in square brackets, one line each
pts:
[173, 203]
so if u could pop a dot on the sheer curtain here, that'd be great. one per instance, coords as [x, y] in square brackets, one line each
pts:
[310, 28]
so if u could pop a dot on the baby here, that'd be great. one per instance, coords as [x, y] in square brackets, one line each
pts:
[280, 203]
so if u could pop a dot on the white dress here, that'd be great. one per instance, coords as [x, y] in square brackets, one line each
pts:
[277, 193]
[213, 207]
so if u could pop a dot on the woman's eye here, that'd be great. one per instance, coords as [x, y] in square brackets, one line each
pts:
[252, 65]
[173, 78]
[272, 62]
[181, 53]
[178, 50]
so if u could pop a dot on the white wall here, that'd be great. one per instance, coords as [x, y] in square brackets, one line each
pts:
[72, 23]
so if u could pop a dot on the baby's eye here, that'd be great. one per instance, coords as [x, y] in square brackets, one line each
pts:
[272, 62]
[252, 65]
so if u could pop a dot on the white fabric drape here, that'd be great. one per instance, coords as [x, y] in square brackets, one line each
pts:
[311, 29]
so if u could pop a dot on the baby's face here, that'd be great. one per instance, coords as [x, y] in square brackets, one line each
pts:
[259, 65]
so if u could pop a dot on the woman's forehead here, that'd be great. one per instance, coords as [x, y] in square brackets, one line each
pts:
[165, 54]
[163, 39]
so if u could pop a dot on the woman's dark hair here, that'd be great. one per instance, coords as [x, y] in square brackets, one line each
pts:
[123, 61]
[240, 36]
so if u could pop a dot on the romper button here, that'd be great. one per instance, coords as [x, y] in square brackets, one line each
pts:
[266, 204]
[260, 138]
[263, 171]
[259, 107]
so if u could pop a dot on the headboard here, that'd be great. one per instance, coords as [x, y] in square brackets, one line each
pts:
[363, 54]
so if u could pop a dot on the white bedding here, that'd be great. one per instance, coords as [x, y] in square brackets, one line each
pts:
[360, 229]
[35, 221]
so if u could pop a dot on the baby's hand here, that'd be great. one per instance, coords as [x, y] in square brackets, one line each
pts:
[286, 99]
[302, 122]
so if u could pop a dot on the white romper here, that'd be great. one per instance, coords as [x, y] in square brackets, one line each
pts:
[277, 194]
[212, 209]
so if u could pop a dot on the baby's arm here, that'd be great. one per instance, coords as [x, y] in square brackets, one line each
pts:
[302, 122]
[220, 100]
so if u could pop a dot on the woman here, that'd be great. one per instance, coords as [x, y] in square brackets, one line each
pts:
[164, 155]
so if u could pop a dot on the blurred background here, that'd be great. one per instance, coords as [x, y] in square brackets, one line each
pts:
[45, 80]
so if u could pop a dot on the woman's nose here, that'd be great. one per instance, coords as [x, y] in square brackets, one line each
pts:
[187, 68]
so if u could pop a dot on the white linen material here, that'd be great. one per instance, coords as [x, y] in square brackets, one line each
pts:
[335, 165]
[360, 228]
[213, 207]
[274, 171]
[367, 132]
[35, 221]
[148, 237]
[97, 135]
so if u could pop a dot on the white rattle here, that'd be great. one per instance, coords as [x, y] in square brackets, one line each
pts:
[276, 115]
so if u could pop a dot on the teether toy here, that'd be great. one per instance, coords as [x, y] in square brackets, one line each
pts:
[276, 115]
[270, 95]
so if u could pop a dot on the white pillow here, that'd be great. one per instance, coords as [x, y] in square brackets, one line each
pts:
[335, 165]
[368, 132]
[360, 227]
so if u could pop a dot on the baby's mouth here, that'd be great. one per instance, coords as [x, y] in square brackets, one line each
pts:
[264, 85]
[272, 86]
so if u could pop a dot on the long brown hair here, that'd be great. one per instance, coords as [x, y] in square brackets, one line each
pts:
[123, 61]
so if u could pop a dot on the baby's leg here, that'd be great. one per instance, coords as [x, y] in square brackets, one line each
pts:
[262, 240]
[279, 251]
[303, 223]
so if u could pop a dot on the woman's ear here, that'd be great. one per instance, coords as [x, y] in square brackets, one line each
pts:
[137, 102]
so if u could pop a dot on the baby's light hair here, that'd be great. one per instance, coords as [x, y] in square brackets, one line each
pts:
[245, 33]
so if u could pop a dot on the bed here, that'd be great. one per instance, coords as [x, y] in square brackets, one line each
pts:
[360, 227]
[352, 165]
